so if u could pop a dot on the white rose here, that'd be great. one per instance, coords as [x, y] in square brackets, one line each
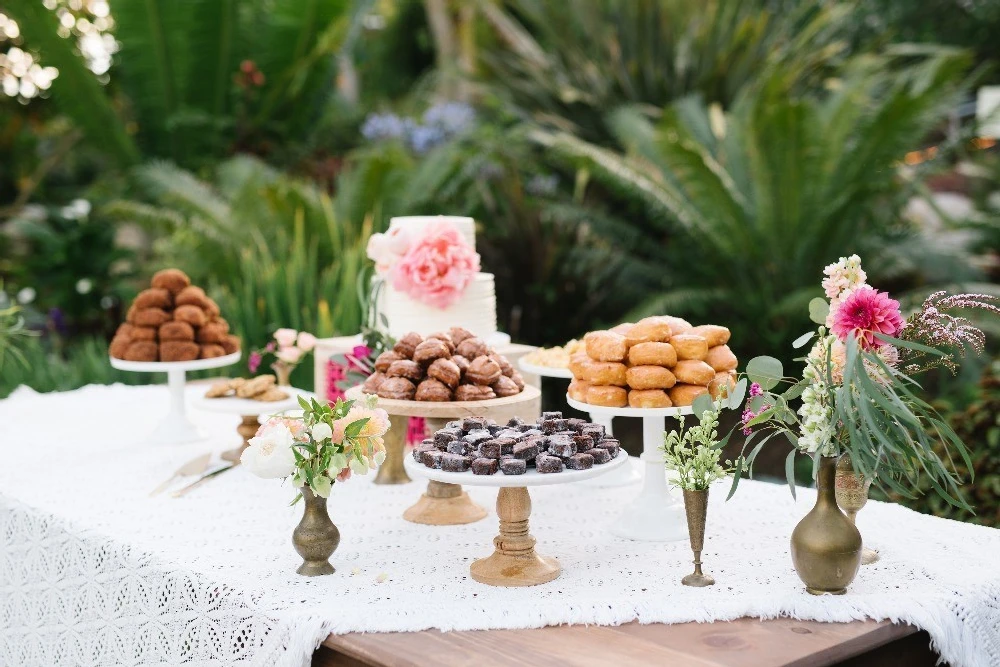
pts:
[290, 355]
[285, 337]
[269, 454]
[306, 341]
[321, 432]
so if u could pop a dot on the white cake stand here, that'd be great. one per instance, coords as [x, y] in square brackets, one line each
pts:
[514, 561]
[623, 475]
[175, 427]
[250, 412]
[654, 515]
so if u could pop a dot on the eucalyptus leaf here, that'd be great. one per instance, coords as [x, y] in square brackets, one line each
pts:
[794, 391]
[790, 471]
[803, 339]
[736, 477]
[738, 394]
[701, 405]
[818, 310]
[765, 371]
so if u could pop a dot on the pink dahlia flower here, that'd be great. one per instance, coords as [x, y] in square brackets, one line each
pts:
[436, 268]
[867, 312]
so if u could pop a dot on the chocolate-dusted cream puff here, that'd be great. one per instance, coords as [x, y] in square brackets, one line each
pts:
[144, 333]
[398, 388]
[193, 315]
[172, 280]
[179, 350]
[149, 317]
[406, 345]
[142, 350]
[119, 347]
[154, 297]
[231, 344]
[213, 332]
[192, 295]
[432, 390]
[446, 371]
[211, 351]
[176, 331]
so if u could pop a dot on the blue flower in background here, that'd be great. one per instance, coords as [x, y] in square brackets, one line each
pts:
[380, 126]
[451, 117]
[423, 138]
[440, 123]
[541, 185]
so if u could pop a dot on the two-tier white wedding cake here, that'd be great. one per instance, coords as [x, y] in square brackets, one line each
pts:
[473, 306]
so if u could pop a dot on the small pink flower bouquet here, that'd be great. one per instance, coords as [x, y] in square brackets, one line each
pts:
[858, 393]
[434, 268]
[326, 444]
[288, 347]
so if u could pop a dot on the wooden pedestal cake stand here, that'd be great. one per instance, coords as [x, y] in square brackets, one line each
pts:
[444, 503]
[514, 561]
[249, 412]
[175, 427]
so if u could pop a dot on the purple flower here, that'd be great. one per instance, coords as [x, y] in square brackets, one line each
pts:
[380, 126]
[756, 390]
[253, 363]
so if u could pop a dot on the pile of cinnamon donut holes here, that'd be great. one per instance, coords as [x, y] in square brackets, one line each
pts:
[173, 320]
[658, 362]
[452, 365]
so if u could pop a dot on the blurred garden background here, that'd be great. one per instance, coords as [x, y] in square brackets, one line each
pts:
[621, 157]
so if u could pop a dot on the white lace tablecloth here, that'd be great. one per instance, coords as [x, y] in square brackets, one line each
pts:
[94, 572]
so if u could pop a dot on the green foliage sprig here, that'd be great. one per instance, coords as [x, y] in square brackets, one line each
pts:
[695, 452]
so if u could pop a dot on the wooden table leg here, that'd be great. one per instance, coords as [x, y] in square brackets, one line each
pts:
[514, 563]
[247, 429]
[391, 471]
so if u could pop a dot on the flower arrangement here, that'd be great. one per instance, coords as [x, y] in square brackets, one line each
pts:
[858, 392]
[695, 453]
[434, 268]
[288, 347]
[326, 444]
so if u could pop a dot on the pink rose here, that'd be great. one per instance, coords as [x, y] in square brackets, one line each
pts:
[437, 267]
[306, 341]
[285, 337]
[290, 355]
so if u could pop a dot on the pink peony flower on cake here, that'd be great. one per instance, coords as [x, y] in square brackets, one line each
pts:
[387, 249]
[866, 312]
[437, 267]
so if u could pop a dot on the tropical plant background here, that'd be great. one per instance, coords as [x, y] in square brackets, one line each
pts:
[624, 158]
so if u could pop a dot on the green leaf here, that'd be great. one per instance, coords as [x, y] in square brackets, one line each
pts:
[819, 308]
[739, 393]
[321, 486]
[354, 428]
[765, 371]
[736, 477]
[790, 471]
[803, 339]
[794, 391]
[303, 403]
[701, 405]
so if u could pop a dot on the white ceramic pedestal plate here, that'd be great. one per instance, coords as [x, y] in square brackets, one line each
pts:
[514, 561]
[654, 515]
[624, 474]
[250, 413]
[175, 427]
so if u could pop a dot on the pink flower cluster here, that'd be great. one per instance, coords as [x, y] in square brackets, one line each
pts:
[437, 267]
[866, 313]
[748, 413]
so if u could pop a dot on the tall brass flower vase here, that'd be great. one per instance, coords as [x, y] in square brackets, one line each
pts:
[696, 508]
[826, 547]
[316, 537]
[852, 496]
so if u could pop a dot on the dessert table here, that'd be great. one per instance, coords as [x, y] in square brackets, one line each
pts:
[94, 571]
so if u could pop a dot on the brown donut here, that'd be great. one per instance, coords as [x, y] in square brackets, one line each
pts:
[446, 371]
[689, 346]
[384, 360]
[179, 350]
[429, 350]
[648, 398]
[231, 344]
[652, 354]
[722, 384]
[154, 297]
[446, 337]
[373, 382]
[144, 333]
[176, 331]
[149, 317]
[192, 295]
[721, 358]
[473, 347]
[621, 328]
[211, 351]
[505, 366]
[432, 390]
[604, 373]
[141, 350]
[458, 334]
[408, 344]
[648, 331]
[613, 397]
[605, 346]
[119, 347]
[677, 325]
[578, 390]
[684, 394]
[504, 386]
[213, 332]
[650, 377]
[404, 368]
[578, 364]
[517, 380]
[397, 388]
[193, 315]
[172, 280]
[712, 333]
[692, 371]
[483, 371]
[473, 392]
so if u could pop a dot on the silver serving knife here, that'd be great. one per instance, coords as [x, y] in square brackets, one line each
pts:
[195, 466]
[204, 478]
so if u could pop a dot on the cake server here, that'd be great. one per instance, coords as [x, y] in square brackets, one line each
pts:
[195, 466]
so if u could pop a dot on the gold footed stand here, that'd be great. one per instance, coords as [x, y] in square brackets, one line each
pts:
[852, 496]
[447, 504]
[247, 429]
[514, 563]
[391, 471]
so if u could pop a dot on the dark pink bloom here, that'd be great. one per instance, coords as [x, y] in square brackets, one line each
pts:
[270, 346]
[254, 361]
[361, 352]
[756, 390]
[866, 312]
[416, 430]
[334, 374]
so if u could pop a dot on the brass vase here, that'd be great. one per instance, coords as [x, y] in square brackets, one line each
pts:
[852, 495]
[696, 508]
[826, 547]
[316, 537]
[282, 373]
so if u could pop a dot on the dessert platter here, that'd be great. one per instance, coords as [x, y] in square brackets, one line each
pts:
[518, 455]
[249, 400]
[173, 328]
[552, 361]
[653, 369]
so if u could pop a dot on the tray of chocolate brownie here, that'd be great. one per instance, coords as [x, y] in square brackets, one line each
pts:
[553, 449]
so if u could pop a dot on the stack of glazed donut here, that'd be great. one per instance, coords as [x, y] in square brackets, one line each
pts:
[173, 321]
[447, 366]
[659, 362]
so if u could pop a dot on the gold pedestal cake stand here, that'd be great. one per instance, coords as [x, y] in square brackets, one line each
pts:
[444, 503]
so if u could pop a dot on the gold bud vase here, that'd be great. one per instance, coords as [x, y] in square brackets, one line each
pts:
[316, 537]
[696, 508]
[826, 547]
[852, 496]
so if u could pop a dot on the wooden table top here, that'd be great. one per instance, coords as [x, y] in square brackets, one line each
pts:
[745, 642]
